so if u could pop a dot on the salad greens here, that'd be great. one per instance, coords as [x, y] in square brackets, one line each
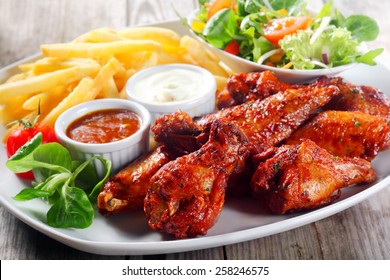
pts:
[70, 186]
[283, 33]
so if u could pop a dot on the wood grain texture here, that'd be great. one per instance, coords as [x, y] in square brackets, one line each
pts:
[361, 232]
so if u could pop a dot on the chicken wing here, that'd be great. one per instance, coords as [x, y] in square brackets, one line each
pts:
[187, 194]
[243, 87]
[365, 99]
[269, 121]
[127, 189]
[305, 176]
[352, 134]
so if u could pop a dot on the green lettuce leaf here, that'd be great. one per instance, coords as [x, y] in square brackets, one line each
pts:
[336, 44]
[221, 28]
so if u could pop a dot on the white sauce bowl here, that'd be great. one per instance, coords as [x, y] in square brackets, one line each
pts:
[121, 152]
[201, 103]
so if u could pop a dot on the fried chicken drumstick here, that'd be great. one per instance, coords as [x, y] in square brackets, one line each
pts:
[305, 176]
[187, 194]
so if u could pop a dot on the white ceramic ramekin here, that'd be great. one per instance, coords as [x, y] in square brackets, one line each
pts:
[121, 152]
[201, 104]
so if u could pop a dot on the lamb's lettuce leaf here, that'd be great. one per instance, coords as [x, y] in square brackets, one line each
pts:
[60, 180]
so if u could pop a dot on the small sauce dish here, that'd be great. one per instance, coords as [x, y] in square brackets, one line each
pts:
[167, 88]
[115, 129]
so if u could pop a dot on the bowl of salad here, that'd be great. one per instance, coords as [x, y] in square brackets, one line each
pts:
[285, 37]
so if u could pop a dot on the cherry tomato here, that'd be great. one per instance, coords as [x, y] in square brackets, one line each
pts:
[22, 134]
[233, 47]
[218, 5]
[276, 29]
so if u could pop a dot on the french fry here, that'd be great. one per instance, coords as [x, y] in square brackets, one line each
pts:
[27, 67]
[55, 97]
[19, 77]
[109, 90]
[133, 60]
[99, 35]
[105, 74]
[221, 81]
[51, 64]
[171, 49]
[187, 58]
[98, 50]
[33, 102]
[13, 110]
[120, 78]
[201, 56]
[81, 93]
[158, 34]
[104, 35]
[166, 58]
[228, 70]
[129, 73]
[151, 60]
[45, 82]
[47, 100]
[87, 89]
[81, 39]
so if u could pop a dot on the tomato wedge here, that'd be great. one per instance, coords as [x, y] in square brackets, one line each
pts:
[218, 5]
[276, 29]
[233, 47]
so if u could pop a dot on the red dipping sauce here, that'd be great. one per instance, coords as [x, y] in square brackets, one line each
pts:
[104, 126]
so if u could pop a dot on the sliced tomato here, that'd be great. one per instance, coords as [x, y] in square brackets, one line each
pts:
[233, 47]
[218, 5]
[276, 29]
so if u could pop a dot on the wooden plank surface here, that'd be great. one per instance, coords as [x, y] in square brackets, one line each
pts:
[361, 232]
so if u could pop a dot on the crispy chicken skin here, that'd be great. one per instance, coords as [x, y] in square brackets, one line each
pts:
[365, 99]
[178, 133]
[269, 121]
[305, 176]
[352, 134]
[126, 190]
[243, 87]
[187, 194]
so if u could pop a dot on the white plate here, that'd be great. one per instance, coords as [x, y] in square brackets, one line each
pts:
[241, 219]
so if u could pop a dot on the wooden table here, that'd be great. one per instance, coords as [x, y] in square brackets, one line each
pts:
[360, 232]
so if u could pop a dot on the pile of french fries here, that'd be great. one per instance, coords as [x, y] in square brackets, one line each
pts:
[96, 65]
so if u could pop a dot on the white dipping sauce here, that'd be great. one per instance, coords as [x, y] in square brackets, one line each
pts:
[169, 86]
